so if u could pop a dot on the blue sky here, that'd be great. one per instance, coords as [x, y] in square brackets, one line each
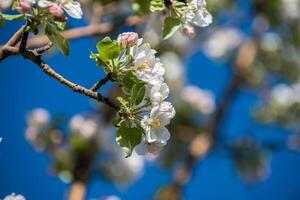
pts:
[24, 86]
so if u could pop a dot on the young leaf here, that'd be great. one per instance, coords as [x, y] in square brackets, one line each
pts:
[138, 93]
[128, 138]
[12, 17]
[171, 25]
[108, 49]
[157, 5]
[129, 80]
[122, 101]
[15, 4]
[57, 39]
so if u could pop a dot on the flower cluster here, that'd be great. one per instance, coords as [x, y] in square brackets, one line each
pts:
[158, 112]
[144, 112]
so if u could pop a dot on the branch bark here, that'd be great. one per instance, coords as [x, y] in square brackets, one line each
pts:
[35, 57]
[77, 191]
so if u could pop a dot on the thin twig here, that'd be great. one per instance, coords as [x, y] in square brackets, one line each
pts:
[35, 57]
[43, 49]
[24, 38]
[101, 82]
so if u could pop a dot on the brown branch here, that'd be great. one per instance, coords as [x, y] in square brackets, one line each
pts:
[24, 38]
[74, 33]
[43, 49]
[101, 82]
[35, 57]
[77, 191]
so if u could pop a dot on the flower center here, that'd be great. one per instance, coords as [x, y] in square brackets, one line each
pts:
[161, 99]
[144, 66]
[154, 123]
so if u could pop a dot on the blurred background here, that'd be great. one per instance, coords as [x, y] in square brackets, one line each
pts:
[235, 87]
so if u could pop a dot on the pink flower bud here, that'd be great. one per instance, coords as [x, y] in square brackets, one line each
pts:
[127, 39]
[25, 6]
[56, 11]
[189, 31]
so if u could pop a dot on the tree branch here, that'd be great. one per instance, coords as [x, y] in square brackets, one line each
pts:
[34, 56]
[101, 82]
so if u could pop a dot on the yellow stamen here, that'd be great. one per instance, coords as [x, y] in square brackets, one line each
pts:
[154, 123]
[144, 66]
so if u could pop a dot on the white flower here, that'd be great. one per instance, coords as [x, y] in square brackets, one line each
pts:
[154, 124]
[147, 67]
[197, 14]
[145, 147]
[158, 93]
[71, 7]
[13, 196]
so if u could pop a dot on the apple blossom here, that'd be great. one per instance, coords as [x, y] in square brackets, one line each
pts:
[197, 14]
[148, 68]
[154, 123]
[127, 39]
[158, 93]
[25, 6]
[71, 7]
[56, 11]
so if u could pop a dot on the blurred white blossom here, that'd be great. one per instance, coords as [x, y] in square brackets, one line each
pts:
[175, 74]
[219, 44]
[203, 100]
[271, 42]
[14, 196]
[5, 4]
[291, 8]
[38, 117]
[85, 126]
[286, 95]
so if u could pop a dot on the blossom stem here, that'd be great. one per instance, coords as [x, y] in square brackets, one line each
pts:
[101, 82]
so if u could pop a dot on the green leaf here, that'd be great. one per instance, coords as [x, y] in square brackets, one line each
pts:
[57, 39]
[128, 138]
[1, 21]
[122, 101]
[129, 80]
[15, 4]
[12, 17]
[171, 25]
[138, 93]
[108, 49]
[157, 5]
